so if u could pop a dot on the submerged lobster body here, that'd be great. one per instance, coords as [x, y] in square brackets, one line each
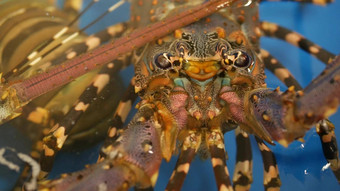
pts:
[196, 84]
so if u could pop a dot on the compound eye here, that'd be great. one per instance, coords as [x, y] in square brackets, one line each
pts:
[242, 59]
[163, 61]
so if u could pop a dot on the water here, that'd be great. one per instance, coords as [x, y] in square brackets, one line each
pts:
[302, 165]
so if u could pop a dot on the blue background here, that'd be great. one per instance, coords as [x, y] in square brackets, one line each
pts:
[301, 164]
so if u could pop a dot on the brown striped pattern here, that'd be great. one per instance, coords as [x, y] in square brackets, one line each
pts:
[281, 72]
[119, 118]
[54, 141]
[243, 175]
[218, 159]
[325, 130]
[271, 178]
[188, 151]
[296, 39]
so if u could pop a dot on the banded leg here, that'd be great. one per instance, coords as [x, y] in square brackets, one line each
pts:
[133, 160]
[119, 118]
[218, 159]
[281, 72]
[296, 39]
[325, 130]
[271, 178]
[188, 151]
[243, 176]
[54, 141]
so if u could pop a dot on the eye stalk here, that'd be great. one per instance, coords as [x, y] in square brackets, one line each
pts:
[163, 61]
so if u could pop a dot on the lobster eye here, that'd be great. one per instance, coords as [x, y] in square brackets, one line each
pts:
[242, 59]
[162, 61]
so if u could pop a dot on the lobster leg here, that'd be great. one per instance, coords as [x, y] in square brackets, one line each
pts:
[54, 141]
[119, 118]
[325, 129]
[243, 175]
[281, 72]
[296, 39]
[271, 179]
[218, 159]
[188, 151]
[133, 160]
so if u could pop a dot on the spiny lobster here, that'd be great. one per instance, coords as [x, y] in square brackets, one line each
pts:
[189, 60]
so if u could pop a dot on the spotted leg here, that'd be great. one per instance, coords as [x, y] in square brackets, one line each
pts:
[218, 159]
[243, 176]
[296, 39]
[281, 72]
[188, 151]
[271, 178]
[119, 118]
[325, 129]
[133, 160]
[54, 141]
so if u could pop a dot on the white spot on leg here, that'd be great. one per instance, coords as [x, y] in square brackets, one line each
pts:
[101, 81]
[102, 187]
[273, 61]
[71, 55]
[223, 187]
[282, 73]
[269, 27]
[271, 174]
[112, 132]
[124, 109]
[183, 168]
[216, 161]
[115, 29]
[314, 49]
[293, 38]
[110, 65]
[81, 106]
[243, 168]
[92, 42]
